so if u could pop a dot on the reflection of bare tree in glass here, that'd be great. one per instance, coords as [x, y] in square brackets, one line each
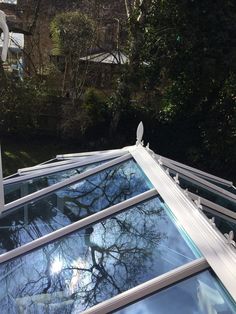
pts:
[70, 204]
[96, 263]
[17, 190]
[120, 263]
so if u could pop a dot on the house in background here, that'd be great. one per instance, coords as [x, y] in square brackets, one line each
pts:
[33, 18]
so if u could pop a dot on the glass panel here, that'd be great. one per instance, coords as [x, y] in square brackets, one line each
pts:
[223, 223]
[206, 193]
[201, 294]
[71, 203]
[17, 190]
[231, 189]
[96, 263]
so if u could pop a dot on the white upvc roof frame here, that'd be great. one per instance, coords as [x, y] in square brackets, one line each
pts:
[197, 172]
[48, 161]
[149, 287]
[57, 164]
[49, 170]
[10, 176]
[70, 181]
[218, 214]
[24, 171]
[220, 256]
[26, 248]
[201, 182]
[215, 207]
[94, 153]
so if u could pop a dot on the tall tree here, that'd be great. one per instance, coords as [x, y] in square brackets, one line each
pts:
[73, 35]
[130, 80]
[182, 54]
[191, 48]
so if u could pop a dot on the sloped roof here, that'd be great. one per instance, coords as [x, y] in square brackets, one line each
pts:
[113, 57]
[121, 231]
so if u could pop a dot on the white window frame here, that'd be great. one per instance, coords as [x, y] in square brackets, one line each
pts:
[26, 248]
[197, 172]
[217, 254]
[220, 256]
[49, 170]
[201, 182]
[70, 181]
[149, 287]
[57, 164]
[125, 150]
[215, 207]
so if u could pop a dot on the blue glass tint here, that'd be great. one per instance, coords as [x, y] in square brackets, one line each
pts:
[201, 294]
[224, 223]
[14, 191]
[70, 204]
[96, 263]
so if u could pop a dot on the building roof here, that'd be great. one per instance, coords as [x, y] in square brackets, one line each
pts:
[113, 57]
[124, 231]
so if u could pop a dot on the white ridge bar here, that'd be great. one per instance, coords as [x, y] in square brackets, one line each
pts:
[77, 225]
[149, 287]
[219, 255]
[66, 182]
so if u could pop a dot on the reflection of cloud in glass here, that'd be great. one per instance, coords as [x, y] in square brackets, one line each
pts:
[200, 294]
[100, 261]
[14, 191]
[208, 297]
[79, 276]
[70, 203]
[57, 265]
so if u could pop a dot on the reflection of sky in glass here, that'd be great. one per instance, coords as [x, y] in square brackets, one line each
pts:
[17, 190]
[201, 294]
[96, 263]
[70, 204]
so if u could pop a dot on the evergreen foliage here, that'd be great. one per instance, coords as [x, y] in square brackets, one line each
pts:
[183, 61]
[73, 35]
[180, 80]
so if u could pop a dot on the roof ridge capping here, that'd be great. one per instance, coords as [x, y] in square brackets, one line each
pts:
[228, 237]
[216, 247]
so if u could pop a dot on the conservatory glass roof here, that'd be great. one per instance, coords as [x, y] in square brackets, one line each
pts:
[121, 231]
